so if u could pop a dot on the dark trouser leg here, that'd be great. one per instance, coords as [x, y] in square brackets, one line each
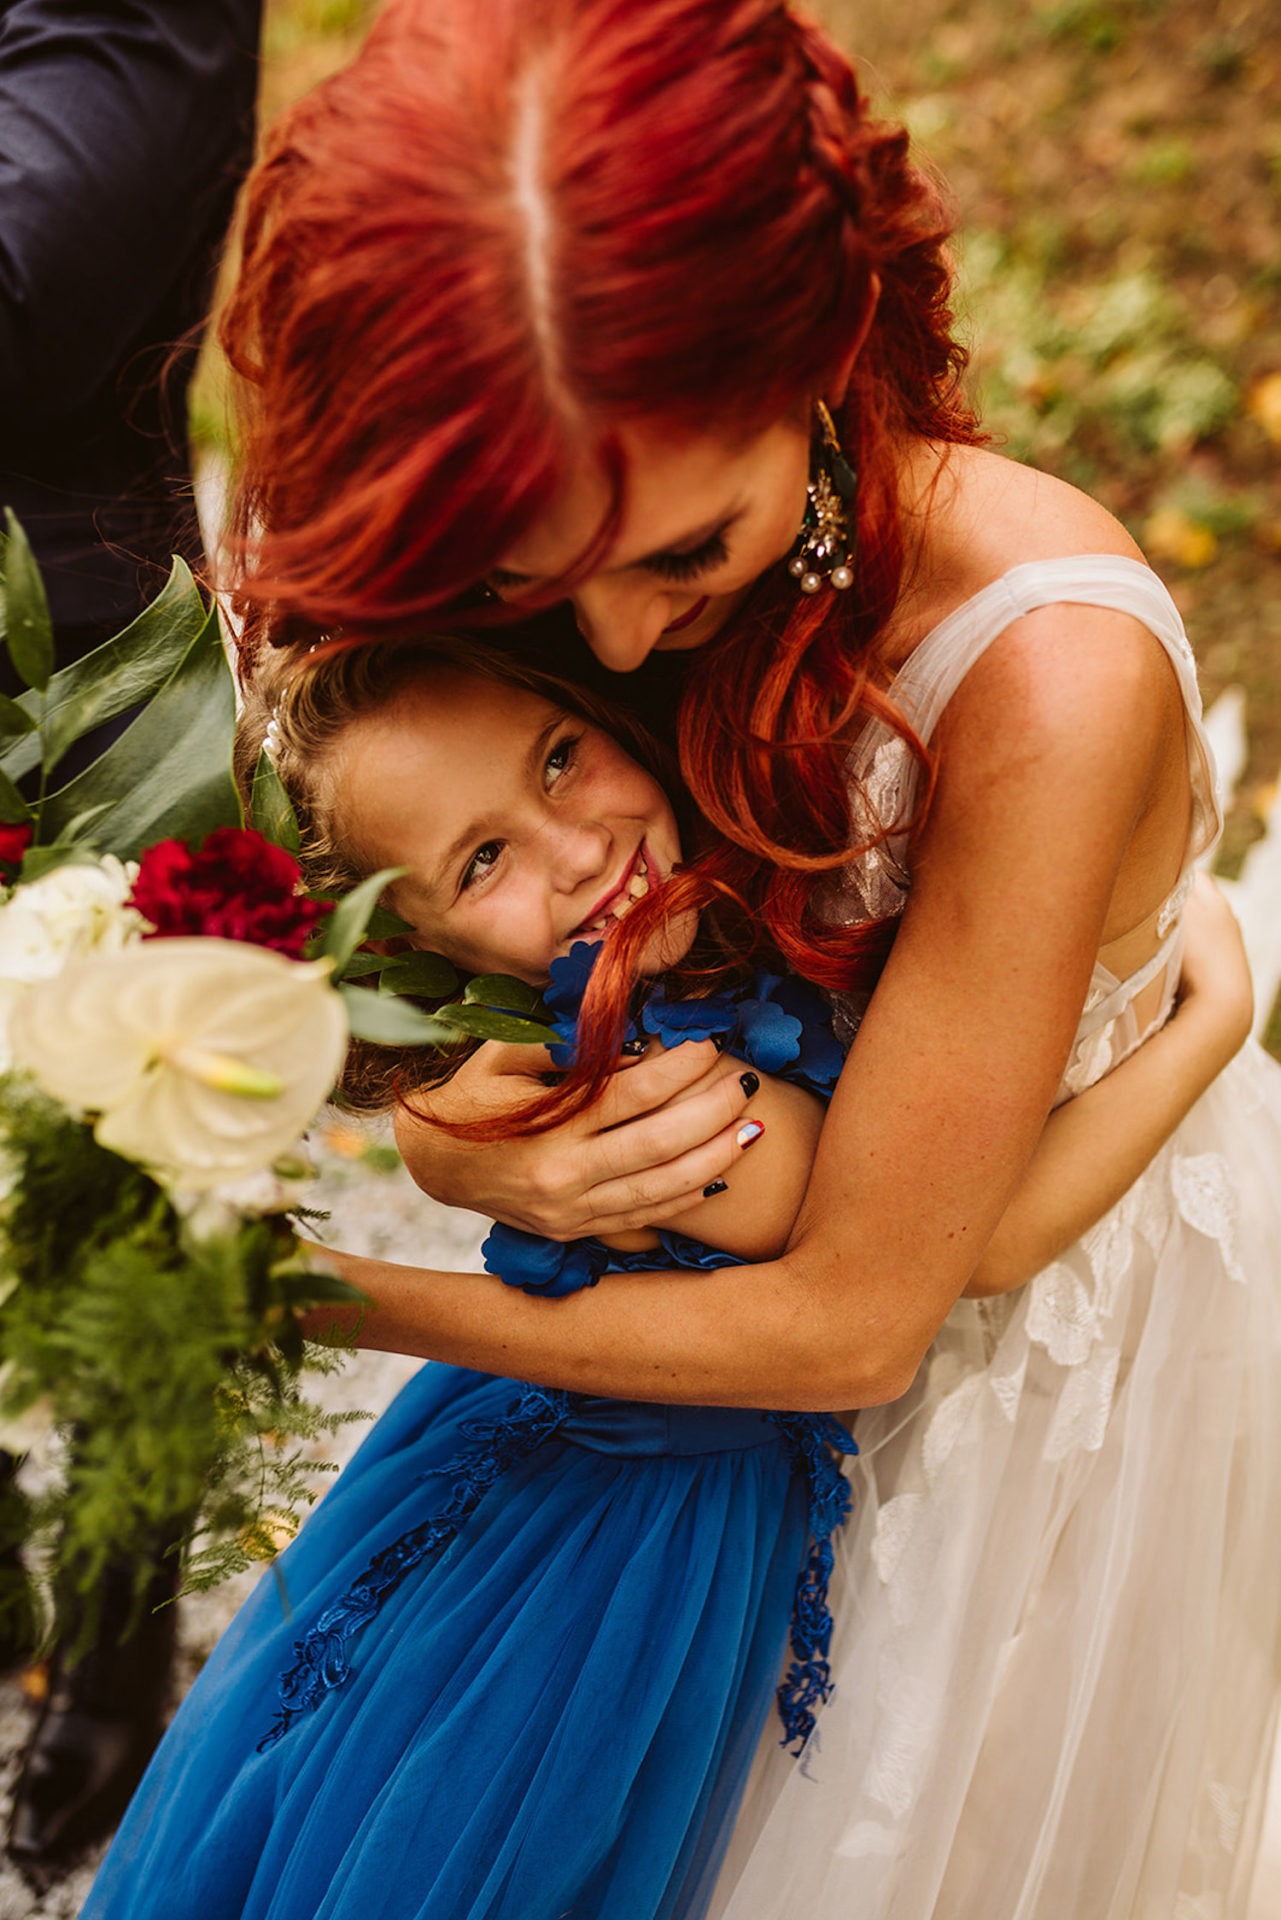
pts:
[101, 1720]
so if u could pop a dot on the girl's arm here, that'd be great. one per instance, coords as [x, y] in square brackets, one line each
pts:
[1050, 756]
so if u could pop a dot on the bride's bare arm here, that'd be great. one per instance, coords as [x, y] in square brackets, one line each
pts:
[1049, 760]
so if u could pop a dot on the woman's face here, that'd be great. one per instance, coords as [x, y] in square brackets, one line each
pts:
[703, 519]
[524, 828]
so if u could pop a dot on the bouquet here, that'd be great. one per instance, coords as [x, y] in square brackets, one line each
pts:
[174, 1011]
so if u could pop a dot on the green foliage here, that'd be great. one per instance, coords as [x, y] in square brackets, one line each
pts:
[1108, 365]
[169, 773]
[270, 811]
[173, 1359]
[28, 629]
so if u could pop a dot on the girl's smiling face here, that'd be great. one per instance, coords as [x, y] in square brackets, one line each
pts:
[523, 826]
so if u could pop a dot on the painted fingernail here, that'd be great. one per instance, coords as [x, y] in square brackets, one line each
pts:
[749, 1131]
[719, 1041]
[632, 1049]
[750, 1083]
[717, 1186]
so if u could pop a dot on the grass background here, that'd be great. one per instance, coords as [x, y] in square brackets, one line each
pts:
[1116, 169]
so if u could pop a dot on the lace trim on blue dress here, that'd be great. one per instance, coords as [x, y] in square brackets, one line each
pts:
[323, 1660]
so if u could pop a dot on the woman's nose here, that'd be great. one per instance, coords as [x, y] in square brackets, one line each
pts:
[620, 620]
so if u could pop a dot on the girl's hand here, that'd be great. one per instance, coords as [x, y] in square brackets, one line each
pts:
[1215, 985]
[666, 1127]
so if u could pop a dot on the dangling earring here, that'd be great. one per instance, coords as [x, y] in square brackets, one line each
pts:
[824, 538]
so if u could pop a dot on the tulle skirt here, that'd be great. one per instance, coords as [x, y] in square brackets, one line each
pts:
[552, 1716]
[1057, 1649]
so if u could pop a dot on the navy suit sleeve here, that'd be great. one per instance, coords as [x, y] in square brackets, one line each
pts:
[122, 125]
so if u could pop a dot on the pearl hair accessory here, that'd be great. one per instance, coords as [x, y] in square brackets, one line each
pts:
[824, 538]
[271, 739]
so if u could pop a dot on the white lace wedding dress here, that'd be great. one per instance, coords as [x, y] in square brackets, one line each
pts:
[1058, 1640]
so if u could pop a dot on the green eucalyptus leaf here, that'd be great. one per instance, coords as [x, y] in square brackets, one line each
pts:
[63, 853]
[386, 925]
[391, 1022]
[15, 719]
[122, 673]
[169, 773]
[427, 976]
[508, 995]
[13, 808]
[270, 809]
[487, 1023]
[348, 924]
[29, 635]
[361, 964]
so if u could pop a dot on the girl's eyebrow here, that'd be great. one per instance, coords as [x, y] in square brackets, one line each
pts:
[683, 543]
[475, 832]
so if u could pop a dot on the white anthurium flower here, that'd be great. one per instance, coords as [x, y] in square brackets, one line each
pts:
[201, 1059]
[65, 915]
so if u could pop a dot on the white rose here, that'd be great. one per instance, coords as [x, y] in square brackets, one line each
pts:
[201, 1059]
[65, 915]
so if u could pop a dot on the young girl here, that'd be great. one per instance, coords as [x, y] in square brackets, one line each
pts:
[517, 1663]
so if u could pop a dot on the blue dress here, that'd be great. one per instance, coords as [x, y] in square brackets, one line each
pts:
[516, 1664]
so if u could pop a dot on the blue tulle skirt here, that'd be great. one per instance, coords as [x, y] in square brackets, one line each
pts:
[549, 1714]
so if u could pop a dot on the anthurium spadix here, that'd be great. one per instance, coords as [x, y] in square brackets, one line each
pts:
[200, 1059]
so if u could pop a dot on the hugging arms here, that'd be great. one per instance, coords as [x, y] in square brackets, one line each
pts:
[564, 811]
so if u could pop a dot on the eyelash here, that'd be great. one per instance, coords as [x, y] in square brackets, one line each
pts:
[669, 566]
[567, 747]
[683, 566]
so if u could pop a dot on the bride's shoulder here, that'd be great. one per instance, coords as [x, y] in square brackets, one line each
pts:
[1000, 514]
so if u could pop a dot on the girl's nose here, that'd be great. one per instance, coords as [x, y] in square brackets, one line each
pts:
[620, 620]
[581, 852]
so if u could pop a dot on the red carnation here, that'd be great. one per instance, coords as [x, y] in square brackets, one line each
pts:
[238, 887]
[14, 842]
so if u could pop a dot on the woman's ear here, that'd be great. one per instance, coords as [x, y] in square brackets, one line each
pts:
[838, 386]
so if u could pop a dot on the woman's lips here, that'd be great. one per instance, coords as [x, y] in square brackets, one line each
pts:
[687, 618]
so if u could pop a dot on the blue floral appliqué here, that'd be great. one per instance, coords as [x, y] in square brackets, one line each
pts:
[548, 1267]
[813, 1440]
[674, 1021]
[323, 1659]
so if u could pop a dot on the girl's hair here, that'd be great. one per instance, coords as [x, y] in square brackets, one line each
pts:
[307, 703]
[513, 225]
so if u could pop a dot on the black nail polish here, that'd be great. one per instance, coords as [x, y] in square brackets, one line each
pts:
[750, 1083]
[632, 1049]
[719, 1040]
[717, 1186]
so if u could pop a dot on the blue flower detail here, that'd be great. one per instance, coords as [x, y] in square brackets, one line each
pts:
[548, 1267]
[674, 1021]
[785, 1005]
[569, 977]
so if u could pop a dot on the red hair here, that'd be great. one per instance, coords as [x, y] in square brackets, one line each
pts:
[513, 224]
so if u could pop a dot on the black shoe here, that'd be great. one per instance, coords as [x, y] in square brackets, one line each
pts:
[97, 1729]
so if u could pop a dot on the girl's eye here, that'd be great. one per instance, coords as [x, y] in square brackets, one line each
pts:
[684, 566]
[561, 758]
[483, 861]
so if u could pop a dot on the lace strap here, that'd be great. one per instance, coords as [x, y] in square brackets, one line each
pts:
[1129, 989]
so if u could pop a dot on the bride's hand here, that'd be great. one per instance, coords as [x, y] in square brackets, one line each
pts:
[1214, 984]
[663, 1130]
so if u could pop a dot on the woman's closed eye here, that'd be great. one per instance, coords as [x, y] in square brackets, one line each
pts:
[712, 552]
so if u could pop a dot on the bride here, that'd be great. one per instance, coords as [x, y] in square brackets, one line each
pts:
[638, 308]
